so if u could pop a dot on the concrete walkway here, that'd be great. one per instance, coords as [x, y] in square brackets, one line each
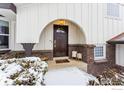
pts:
[67, 76]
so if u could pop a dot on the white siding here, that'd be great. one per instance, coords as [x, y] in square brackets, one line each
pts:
[12, 39]
[85, 20]
[92, 18]
[120, 54]
[100, 22]
[94, 23]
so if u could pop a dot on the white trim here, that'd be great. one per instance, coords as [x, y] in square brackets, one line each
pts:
[5, 49]
[115, 18]
[4, 35]
[104, 52]
[4, 19]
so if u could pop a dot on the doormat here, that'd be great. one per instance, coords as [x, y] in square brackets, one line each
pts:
[62, 61]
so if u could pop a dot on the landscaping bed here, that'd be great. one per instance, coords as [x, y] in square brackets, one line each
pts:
[109, 77]
[22, 71]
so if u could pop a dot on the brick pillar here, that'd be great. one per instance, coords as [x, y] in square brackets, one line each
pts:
[88, 53]
[28, 48]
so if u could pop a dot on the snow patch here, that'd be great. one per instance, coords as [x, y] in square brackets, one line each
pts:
[22, 71]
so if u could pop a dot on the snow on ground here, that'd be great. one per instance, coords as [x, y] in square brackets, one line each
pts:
[31, 71]
[31, 59]
[67, 76]
[22, 71]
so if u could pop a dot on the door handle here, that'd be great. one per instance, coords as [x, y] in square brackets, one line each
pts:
[54, 43]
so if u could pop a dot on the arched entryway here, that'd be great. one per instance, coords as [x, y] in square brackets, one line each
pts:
[60, 37]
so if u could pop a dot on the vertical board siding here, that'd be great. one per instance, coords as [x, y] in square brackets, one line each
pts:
[62, 11]
[52, 11]
[78, 13]
[85, 20]
[92, 18]
[94, 23]
[90, 23]
[70, 12]
[100, 22]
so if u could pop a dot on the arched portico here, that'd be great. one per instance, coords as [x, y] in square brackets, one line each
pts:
[66, 22]
[75, 39]
[53, 39]
[62, 36]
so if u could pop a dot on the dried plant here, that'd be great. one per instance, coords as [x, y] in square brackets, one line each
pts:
[108, 77]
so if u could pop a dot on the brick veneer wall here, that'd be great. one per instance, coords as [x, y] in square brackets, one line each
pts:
[87, 51]
[109, 62]
[97, 68]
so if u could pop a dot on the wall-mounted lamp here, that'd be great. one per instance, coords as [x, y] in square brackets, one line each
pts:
[61, 22]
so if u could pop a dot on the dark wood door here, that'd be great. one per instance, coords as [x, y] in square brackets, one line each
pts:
[60, 44]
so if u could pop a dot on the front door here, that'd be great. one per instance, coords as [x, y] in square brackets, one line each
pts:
[60, 44]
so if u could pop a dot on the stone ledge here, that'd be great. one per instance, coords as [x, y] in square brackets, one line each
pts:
[100, 61]
[82, 45]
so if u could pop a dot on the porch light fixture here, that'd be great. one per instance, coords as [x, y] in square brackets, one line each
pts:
[61, 22]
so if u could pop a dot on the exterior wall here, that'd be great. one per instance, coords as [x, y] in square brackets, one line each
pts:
[45, 44]
[46, 38]
[12, 39]
[120, 54]
[97, 68]
[92, 18]
[87, 51]
[96, 26]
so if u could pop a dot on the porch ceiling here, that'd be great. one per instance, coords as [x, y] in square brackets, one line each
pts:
[119, 39]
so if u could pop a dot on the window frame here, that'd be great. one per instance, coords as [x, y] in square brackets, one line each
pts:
[110, 16]
[8, 35]
[104, 52]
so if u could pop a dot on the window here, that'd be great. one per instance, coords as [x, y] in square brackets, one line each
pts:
[99, 52]
[113, 9]
[4, 35]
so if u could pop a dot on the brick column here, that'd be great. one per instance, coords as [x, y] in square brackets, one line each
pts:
[88, 53]
[28, 48]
